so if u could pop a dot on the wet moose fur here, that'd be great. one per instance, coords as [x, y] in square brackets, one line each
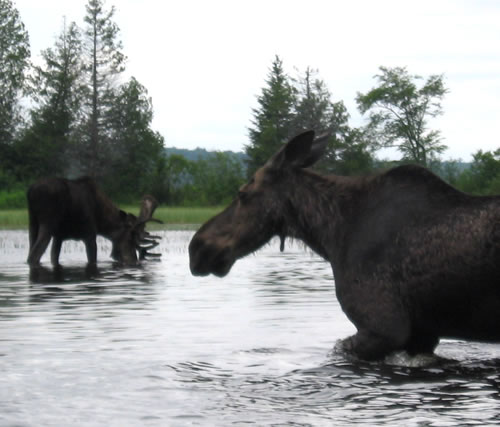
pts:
[64, 209]
[414, 260]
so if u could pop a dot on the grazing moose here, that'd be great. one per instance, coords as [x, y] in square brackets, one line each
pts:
[64, 209]
[414, 260]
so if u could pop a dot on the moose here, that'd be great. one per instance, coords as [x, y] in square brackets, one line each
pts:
[414, 260]
[61, 209]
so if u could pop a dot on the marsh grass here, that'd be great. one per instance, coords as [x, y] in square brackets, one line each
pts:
[178, 217]
[13, 218]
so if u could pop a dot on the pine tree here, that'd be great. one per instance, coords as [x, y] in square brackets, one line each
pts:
[272, 122]
[14, 62]
[313, 108]
[57, 95]
[348, 151]
[134, 147]
[104, 62]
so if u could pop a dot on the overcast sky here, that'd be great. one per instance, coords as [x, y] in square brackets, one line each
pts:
[205, 62]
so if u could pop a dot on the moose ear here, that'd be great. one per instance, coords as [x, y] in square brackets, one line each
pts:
[317, 150]
[302, 151]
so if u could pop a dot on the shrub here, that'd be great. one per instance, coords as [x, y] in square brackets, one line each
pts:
[13, 199]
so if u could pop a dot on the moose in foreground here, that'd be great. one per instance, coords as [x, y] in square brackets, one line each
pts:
[414, 260]
[64, 209]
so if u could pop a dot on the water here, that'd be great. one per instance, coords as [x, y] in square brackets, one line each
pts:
[154, 346]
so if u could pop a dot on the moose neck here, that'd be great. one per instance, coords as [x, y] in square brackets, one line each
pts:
[109, 215]
[315, 211]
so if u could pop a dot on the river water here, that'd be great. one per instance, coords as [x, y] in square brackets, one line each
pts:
[154, 346]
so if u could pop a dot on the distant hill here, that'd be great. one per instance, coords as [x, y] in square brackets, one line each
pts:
[201, 153]
[443, 168]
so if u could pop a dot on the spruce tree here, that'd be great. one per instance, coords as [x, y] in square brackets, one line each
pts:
[14, 62]
[57, 94]
[272, 122]
[103, 64]
[134, 147]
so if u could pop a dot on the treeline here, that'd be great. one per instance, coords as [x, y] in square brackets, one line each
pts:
[75, 114]
[209, 180]
[398, 109]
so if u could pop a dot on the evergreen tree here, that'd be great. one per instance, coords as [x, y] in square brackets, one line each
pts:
[14, 61]
[313, 107]
[172, 174]
[134, 148]
[57, 94]
[288, 107]
[103, 64]
[347, 151]
[273, 119]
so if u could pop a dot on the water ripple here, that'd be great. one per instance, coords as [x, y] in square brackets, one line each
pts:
[154, 346]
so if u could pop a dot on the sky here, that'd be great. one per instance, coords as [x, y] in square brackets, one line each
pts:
[204, 63]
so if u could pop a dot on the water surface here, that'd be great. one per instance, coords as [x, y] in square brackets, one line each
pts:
[154, 346]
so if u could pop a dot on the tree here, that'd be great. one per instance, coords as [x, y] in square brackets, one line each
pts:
[272, 122]
[348, 151]
[216, 179]
[57, 94]
[14, 61]
[103, 63]
[313, 108]
[134, 148]
[350, 155]
[290, 106]
[483, 176]
[399, 112]
[171, 176]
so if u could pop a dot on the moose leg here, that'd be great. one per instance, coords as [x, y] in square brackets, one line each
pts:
[55, 251]
[369, 346]
[39, 246]
[33, 232]
[382, 329]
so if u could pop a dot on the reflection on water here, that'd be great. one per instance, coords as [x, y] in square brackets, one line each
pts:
[155, 346]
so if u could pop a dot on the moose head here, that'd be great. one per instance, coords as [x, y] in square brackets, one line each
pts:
[131, 241]
[262, 210]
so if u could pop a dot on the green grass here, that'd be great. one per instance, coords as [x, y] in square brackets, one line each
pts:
[13, 218]
[171, 216]
[176, 215]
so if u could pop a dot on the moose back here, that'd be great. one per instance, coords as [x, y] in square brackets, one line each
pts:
[414, 260]
[61, 209]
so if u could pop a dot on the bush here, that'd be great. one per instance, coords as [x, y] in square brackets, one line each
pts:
[13, 199]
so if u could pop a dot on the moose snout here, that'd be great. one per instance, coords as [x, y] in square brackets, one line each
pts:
[195, 257]
[208, 258]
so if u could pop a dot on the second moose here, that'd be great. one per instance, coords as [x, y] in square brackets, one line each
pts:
[64, 209]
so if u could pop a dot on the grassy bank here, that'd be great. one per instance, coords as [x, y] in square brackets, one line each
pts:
[18, 218]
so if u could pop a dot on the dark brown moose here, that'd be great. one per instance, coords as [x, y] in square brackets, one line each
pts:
[64, 209]
[414, 260]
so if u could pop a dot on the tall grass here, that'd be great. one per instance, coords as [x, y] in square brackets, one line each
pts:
[13, 218]
[183, 215]
[177, 216]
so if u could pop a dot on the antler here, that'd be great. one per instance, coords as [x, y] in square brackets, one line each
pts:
[146, 241]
